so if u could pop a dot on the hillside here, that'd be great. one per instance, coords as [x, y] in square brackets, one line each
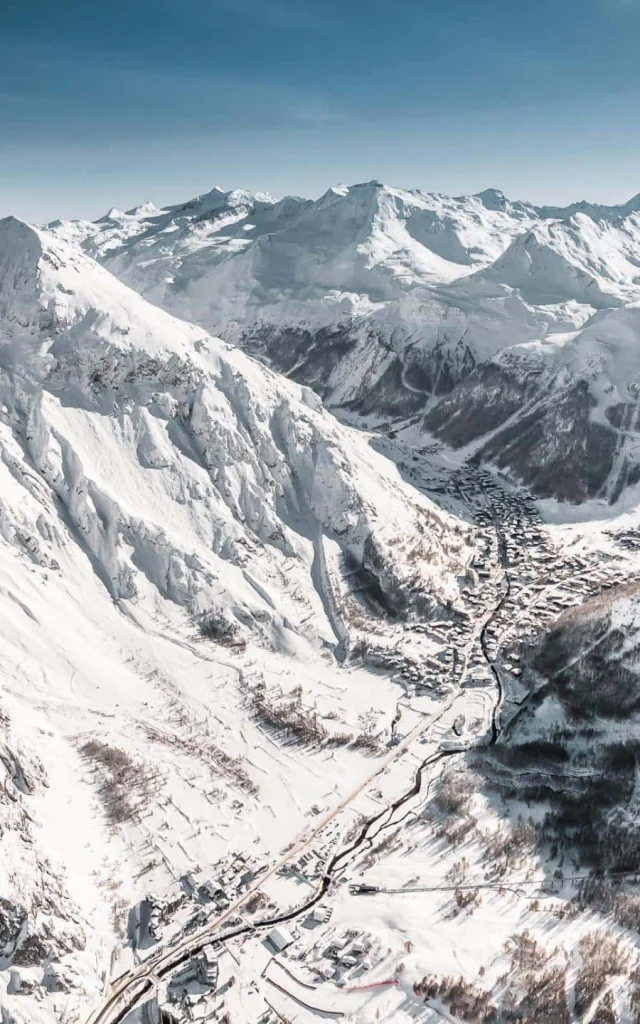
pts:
[571, 744]
[174, 520]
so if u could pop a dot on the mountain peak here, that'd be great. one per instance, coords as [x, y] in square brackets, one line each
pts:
[146, 209]
[20, 254]
[219, 199]
[492, 199]
[17, 238]
[633, 204]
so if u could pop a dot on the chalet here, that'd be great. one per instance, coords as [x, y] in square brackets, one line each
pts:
[278, 940]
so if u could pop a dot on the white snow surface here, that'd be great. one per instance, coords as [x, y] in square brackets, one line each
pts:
[235, 258]
[149, 474]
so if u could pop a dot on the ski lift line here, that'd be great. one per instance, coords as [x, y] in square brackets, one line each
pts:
[372, 984]
[373, 890]
[283, 967]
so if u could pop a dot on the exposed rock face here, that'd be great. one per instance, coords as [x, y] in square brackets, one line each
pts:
[481, 403]
[557, 449]
[357, 370]
[552, 431]
[12, 920]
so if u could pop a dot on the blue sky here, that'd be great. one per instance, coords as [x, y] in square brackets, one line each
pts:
[112, 102]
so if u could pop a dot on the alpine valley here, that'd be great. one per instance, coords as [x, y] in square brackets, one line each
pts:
[320, 612]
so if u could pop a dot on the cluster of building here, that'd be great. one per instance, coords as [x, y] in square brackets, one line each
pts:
[347, 954]
[195, 979]
[228, 880]
[156, 917]
[629, 539]
[308, 867]
[191, 993]
[543, 584]
[152, 913]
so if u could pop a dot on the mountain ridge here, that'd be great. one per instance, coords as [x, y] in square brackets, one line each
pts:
[385, 299]
[230, 621]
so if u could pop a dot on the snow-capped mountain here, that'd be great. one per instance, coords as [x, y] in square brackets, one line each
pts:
[172, 518]
[385, 301]
[252, 676]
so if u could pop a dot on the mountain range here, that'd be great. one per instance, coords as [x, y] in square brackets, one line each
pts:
[476, 320]
[275, 590]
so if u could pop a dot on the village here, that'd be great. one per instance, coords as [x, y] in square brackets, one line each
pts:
[514, 585]
[513, 550]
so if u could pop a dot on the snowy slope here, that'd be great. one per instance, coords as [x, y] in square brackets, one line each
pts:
[385, 300]
[570, 743]
[150, 476]
[560, 413]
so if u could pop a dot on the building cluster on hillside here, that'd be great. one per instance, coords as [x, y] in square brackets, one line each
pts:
[629, 539]
[511, 543]
[335, 956]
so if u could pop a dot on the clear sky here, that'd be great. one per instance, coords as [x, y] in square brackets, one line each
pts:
[112, 102]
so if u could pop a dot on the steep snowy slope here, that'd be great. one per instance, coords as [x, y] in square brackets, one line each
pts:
[171, 519]
[385, 300]
[594, 263]
[560, 413]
